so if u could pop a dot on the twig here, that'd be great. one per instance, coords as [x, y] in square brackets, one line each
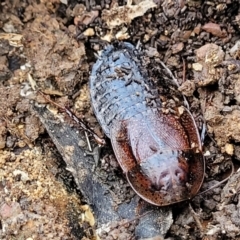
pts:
[98, 139]
[175, 82]
[131, 220]
[184, 70]
[88, 142]
[196, 218]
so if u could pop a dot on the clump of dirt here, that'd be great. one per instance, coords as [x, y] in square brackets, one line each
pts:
[31, 197]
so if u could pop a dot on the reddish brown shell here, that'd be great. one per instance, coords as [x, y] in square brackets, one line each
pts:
[161, 156]
[160, 153]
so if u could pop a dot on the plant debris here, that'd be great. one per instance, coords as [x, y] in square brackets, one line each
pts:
[118, 15]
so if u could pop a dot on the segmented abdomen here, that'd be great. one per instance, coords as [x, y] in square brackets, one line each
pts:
[119, 86]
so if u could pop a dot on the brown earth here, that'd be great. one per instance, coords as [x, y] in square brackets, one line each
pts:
[50, 45]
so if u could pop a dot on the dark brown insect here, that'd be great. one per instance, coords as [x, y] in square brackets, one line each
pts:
[160, 153]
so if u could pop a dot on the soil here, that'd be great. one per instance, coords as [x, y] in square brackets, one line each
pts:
[52, 45]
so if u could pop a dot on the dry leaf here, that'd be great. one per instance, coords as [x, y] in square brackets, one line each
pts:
[122, 34]
[14, 39]
[125, 14]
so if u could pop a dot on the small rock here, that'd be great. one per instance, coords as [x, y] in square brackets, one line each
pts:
[178, 47]
[197, 29]
[197, 66]
[82, 143]
[33, 127]
[187, 88]
[24, 175]
[205, 70]
[186, 35]
[152, 52]
[210, 53]
[64, 2]
[89, 32]
[237, 19]
[9, 28]
[5, 73]
[229, 149]
[237, 152]
[235, 50]
[214, 29]
[8, 211]
[210, 204]
[3, 132]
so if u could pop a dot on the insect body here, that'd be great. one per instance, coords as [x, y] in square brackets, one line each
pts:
[159, 153]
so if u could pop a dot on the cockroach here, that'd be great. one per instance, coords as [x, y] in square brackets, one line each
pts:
[160, 153]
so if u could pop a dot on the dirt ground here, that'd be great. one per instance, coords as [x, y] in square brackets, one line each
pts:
[52, 45]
